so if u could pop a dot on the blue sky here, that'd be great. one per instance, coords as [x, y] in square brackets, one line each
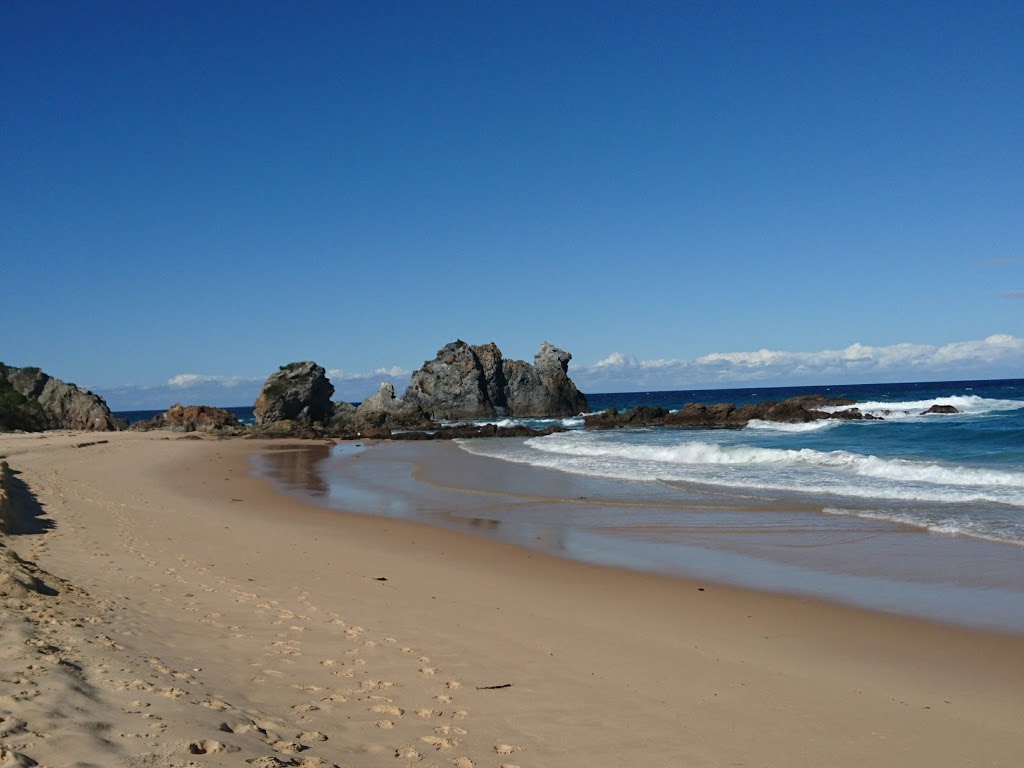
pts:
[194, 193]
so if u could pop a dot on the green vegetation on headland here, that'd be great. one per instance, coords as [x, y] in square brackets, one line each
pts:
[16, 410]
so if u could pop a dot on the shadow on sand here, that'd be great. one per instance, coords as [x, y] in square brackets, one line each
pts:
[28, 516]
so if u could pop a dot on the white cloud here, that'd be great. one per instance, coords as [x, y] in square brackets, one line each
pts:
[189, 380]
[997, 356]
[616, 360]
[1012, 294]
[394, 372]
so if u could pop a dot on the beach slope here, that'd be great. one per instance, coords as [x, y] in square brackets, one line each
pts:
[162, 607]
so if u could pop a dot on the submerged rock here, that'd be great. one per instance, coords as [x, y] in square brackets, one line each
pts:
[940, 409]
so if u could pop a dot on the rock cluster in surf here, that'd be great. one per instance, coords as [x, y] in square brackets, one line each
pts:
[726, 415]
[462, 382]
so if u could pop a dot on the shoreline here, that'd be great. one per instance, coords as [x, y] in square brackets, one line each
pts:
[188, 559]
[875, 565]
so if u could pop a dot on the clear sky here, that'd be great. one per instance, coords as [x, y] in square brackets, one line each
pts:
[217, 188]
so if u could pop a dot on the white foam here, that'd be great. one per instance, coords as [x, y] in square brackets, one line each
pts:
[700, 452]
[949, 526]
[806, 426]
[971, 405]
[841, 473]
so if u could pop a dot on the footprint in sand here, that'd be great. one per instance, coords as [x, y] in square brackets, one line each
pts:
[387, 709]
[208, 747]
[507, 749]
[408, 753]
[449, 730]
[440, 743]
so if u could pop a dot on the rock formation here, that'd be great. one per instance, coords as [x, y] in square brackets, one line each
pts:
[192, 418]
[545, 389]
[697, 415]
[299, 393]
[476, 382]
[32, 400]
[385, 410]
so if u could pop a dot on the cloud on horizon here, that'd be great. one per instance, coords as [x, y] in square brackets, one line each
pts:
[230, 391]
[997, 356]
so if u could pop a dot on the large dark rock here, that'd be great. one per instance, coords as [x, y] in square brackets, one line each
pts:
[32, 400]
[298, 393]
[192, 418]
[725, 415]
[476, 382]
[452, 386]
[940, 409]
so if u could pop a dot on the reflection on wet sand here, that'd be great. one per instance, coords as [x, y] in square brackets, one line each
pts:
[297, 467]
[742, 540]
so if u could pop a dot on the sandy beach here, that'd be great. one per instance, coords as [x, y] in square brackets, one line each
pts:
[163, 607]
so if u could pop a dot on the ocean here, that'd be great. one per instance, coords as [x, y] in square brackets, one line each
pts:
[915, 513]
[957, 473]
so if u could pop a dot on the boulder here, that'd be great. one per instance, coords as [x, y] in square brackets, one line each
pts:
[297, 392]
[32, 400]
[191, 418]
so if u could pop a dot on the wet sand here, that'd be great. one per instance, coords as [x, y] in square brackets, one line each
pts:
[201, 618]
[734, 538]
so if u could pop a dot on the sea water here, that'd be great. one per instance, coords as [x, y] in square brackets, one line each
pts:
[959, 473]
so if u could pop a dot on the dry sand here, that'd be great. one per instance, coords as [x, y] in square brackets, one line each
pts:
[179, 613]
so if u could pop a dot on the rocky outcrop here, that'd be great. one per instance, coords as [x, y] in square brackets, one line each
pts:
[726, 415]
[385, 410]
[32, 400]
[299, 393]
[476, 382]
[192, 418]
[452, 386]
[546, 389]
